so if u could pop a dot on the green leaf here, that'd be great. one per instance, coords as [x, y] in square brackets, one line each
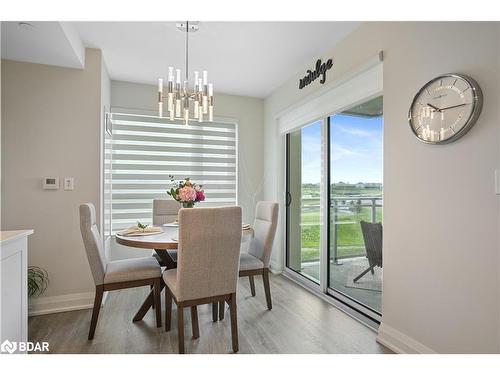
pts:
[141, 226]
[38, 281]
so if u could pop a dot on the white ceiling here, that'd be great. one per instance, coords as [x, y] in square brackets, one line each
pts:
[242, 58]
[51, 43]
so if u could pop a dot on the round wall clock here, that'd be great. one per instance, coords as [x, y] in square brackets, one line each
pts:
[445, 108]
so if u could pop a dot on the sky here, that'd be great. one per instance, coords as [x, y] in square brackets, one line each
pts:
[355, 148]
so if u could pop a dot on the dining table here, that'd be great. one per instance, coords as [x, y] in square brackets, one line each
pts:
[161, 243]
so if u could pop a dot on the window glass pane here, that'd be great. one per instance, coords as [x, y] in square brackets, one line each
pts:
[304, 177]
[355, 196]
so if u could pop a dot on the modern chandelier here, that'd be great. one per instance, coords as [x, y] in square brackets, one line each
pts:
[179, 99]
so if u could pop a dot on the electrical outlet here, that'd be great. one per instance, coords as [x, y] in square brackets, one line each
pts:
[69, 183]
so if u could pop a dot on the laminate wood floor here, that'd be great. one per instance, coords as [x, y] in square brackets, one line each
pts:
[299, 322]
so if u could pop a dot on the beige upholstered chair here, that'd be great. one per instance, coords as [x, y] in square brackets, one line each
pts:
[207, 266]
[256, 260]
[165, 211]
[120, 274]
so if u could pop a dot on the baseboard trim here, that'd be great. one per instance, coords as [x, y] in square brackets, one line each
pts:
[275, 269]
[62, 303]
[400, 343]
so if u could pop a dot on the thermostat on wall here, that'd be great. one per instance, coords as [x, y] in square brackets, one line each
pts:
[51, 183]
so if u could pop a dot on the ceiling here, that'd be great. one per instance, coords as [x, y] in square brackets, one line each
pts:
[242, 58]
[51, 43]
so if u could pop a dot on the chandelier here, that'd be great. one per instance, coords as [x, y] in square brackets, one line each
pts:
[180, 101]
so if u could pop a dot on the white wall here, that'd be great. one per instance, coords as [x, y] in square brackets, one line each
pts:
[51, 121]
[249, 112]
[105, 108]
[441, 287]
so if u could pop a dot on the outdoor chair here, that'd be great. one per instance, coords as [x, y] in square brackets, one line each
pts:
[372, 235]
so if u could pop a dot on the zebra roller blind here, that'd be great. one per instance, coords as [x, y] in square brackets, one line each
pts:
[143, 151]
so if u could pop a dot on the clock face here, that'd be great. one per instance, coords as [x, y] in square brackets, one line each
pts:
[445, 108]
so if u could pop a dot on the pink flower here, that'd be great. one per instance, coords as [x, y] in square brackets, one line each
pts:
[200, 196]
[186, 194]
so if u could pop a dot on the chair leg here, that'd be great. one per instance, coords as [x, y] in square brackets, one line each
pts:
[267, 288]
[252, 285]
[234, 323]
[99, 290]
[157, 299]
[194, 322]
[154, 302]
[363, 273]
[168, 309]
[215, 311]
[180, 328]
[221, 310]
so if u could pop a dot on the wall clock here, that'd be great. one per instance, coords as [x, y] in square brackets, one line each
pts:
[445, 108]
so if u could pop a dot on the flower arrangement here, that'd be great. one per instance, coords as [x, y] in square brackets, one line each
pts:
[186, 192]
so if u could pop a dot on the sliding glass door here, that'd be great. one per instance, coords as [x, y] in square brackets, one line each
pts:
[355, 137]
[334, 183]
[303, 200]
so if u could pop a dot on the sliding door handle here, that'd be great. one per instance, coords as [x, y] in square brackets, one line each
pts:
[288, 199]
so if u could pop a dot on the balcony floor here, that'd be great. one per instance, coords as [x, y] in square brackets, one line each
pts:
[368, 290]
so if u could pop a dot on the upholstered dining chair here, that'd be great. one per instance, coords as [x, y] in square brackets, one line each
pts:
[165, 211]
[120, 274]
[256, 260]
[207, 266]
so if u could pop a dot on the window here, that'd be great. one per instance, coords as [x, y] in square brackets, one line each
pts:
[143, 151]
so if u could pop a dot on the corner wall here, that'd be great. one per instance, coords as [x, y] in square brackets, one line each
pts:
[51, 122]
[441, 289]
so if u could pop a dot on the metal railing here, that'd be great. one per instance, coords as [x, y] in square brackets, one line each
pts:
[348, 205]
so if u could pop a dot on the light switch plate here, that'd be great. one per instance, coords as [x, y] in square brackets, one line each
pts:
[69, 183]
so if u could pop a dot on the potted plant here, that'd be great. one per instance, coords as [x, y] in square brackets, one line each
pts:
[38, 280]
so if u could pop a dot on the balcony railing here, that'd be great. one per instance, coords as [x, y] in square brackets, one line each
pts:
[346, 239]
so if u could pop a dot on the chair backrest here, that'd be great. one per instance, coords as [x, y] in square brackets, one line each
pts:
[93, 242]
[372, 235]
[264, 227]
[165, 211]
[208, 252]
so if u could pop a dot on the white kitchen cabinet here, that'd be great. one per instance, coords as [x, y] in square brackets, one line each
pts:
[13, 285]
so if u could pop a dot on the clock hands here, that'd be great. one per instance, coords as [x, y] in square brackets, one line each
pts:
[433, 107]
[445, 108]
[454, 106]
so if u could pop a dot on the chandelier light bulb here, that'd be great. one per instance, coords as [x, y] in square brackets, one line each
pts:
[182, 98]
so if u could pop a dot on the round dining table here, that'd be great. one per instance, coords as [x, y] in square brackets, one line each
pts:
[161, 243]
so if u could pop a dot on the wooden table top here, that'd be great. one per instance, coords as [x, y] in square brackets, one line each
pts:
[165, 240]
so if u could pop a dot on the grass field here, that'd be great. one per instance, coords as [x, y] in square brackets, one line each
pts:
[349, 237]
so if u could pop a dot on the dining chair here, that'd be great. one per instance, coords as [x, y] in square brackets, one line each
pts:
[114, 275]
[165, 211]
[207, 266]
[256, 260]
